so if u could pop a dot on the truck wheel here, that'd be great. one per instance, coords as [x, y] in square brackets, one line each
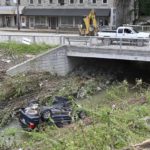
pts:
[107, 41]
[140, 42]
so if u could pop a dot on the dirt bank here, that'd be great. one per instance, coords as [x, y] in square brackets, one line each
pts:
[8, 59]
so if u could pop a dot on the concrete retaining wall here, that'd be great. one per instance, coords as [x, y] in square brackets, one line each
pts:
[54, 61]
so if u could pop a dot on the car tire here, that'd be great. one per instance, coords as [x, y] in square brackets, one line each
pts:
[82, 114]
[45, 115]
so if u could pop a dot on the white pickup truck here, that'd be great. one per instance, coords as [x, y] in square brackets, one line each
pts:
[124, 33]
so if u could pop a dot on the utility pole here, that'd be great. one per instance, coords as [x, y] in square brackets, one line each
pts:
[18, 15]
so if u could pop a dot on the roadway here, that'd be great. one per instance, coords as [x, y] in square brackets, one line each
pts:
[31, 33]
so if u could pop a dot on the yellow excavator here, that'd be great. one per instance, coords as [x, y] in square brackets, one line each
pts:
[89, 25]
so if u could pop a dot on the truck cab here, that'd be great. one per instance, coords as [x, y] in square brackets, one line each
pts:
[126, 32]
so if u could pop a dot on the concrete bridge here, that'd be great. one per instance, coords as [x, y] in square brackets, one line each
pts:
[64, 59]
[111, 52]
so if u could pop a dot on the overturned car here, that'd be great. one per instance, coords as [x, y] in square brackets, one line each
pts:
[61, 112]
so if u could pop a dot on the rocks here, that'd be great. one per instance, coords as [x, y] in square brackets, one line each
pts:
[81, 93]
[6, 60]
[99, 88]
[30, 56]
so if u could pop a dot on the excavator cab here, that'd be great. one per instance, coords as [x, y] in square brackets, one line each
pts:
[89, 25]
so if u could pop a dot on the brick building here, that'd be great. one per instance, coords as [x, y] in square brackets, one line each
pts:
[53, 14]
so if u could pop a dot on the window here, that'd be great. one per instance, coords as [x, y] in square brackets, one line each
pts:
[127, 31]
[31, 22]
[23, 20]
[31, 1]
[94, 1]
[135, 31]
[71, 1]
[39, 1]
[120, 31]
[40, 20]
[67, 20]
[7, 2]
[78, 20]
[81, 1]
[50, 1]
[106, 22]
[61, 2]
[105, 1]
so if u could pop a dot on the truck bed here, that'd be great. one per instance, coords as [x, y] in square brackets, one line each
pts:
[110, 31]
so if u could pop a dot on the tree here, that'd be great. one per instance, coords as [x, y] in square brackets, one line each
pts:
[123, 8]
[144, 7]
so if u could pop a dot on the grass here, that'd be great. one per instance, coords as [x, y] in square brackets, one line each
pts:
[114, 127]
[115, 118]
[19, 48]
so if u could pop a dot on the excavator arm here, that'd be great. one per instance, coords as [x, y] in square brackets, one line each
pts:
[90, 24]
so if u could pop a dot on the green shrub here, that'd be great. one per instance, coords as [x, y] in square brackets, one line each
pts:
[118, 92]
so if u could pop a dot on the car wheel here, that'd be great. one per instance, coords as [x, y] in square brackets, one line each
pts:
[46, 115]
[82, 115]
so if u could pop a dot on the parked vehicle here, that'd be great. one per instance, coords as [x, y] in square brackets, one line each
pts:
[124, 33]
[61, 112]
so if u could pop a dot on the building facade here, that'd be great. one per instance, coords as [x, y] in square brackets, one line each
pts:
[54, 14]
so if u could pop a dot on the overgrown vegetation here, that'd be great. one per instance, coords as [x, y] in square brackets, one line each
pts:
[19, 48]
[116, 121]
[17, 91]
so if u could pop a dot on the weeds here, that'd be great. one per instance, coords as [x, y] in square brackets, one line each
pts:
[12, 48]
[110, 128]
[18, 86]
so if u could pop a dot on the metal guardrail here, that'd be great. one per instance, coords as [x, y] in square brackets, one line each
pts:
[107, 41]
[90, 41]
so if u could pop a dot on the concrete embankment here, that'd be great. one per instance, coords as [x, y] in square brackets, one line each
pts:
[54, 61]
